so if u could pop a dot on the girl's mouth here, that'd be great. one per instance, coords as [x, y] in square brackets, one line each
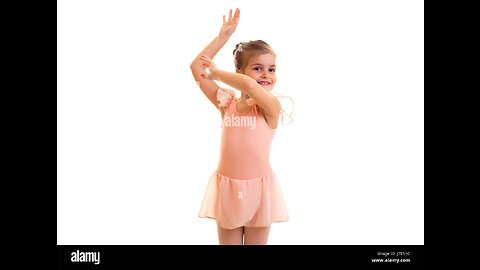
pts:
[264, 83]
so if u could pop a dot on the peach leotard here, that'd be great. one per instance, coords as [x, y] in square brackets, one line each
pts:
[243, 190]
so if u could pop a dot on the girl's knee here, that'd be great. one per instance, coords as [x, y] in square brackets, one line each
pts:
[256, 235]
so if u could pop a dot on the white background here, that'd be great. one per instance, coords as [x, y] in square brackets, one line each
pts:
[138, 140]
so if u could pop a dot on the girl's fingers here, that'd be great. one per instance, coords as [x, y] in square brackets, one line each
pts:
[230, 16]
[202, 57]
[223, 18]
[237, 14]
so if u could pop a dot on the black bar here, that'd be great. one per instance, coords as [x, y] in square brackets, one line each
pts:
[296, 256]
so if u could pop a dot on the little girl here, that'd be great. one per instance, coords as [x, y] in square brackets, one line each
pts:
[243, 194]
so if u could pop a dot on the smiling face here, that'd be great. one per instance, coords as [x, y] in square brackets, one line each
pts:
[262, 68]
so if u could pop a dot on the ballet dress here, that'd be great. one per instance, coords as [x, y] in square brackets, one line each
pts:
[243, 190]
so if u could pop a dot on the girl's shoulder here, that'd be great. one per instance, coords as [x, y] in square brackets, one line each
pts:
[225, 96]
[286, 110]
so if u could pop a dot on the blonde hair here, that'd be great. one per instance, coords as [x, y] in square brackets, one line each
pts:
[244, 50]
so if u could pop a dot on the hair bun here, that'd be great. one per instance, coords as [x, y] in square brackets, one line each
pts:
[238, 47]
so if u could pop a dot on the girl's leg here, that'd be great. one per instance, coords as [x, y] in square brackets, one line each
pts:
[256, 235]
[230, 237]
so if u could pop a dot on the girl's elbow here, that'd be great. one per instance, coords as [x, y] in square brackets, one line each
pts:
[193, 65]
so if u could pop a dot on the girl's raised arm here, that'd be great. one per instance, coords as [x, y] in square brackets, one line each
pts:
[209, 87]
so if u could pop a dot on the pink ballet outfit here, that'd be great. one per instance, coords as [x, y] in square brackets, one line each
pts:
[244, 190]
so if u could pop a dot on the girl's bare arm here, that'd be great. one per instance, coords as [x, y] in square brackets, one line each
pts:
[209, 87]
[249, 86]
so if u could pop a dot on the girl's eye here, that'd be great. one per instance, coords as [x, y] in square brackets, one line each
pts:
[257, 68]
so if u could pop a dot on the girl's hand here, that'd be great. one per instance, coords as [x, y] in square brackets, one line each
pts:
[230, 25]
[208, 64]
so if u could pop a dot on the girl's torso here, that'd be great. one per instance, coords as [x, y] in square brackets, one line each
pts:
[245, 142]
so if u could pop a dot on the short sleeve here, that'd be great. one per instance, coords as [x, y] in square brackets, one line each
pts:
[225, 96]
[285, 111]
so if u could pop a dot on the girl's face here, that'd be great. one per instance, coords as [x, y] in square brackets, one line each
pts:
[262, 69]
